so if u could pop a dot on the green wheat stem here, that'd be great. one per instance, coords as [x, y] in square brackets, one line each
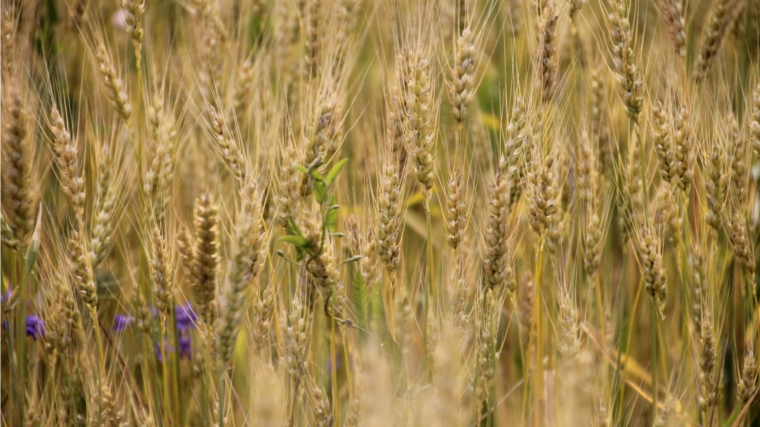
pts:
[221, 391]
[538, 385]
[176, 377]
[165, 370]
[334, 372]
[18, 369]
[653, 343]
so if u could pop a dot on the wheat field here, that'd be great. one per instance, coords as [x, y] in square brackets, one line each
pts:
[380, 213]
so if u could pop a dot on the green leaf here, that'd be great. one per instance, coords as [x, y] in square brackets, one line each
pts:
[298, 241]
[397, 360]
[331, 218]
[293, 229]
[377, 313]
[333, 173]
[320, 192]
[379, 327]
[31, 256]
[361, 300]
[34, 245]
[301, 169]
[318, 176]
[350, 260]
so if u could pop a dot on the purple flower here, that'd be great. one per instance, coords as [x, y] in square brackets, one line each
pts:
[121, 322]
[185, 347]
[186, 317]
[167, 348]
[35, 327]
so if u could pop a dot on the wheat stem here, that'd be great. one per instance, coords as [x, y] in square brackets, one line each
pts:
[653, 318]
[538, 377]
[334, 373]
[19, 326]
[165, 370]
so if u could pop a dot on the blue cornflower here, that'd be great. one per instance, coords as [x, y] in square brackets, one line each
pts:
[186, 317]
[186, 320]
[185, 348]
[121, 322]
[35, 327]
[168, 348]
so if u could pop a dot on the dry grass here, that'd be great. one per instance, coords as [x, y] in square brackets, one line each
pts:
[369, 213]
